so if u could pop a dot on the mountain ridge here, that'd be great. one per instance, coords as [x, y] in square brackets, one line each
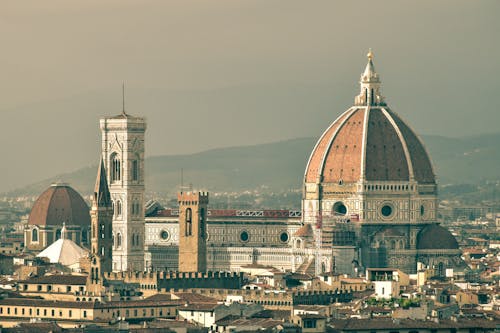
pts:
[279, 166]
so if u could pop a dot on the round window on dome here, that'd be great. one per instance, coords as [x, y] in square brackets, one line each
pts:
[339, 208]
[164, 235]
[386, 210]
[244, 237]
[284, 237]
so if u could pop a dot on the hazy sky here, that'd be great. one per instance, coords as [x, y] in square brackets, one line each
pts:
[220, 73]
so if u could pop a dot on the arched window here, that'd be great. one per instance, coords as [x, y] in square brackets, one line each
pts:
[135, 170]
[118, 208]
[118, 240]
[116, 168]
[133, 239]
[189, 224]
[34, 235]
[84, 236]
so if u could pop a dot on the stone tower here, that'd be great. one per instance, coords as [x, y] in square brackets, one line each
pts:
[192, 231]
[123, 155]
[101, 214]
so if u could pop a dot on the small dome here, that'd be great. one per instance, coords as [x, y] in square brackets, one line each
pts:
[435, 237]
[60, 204]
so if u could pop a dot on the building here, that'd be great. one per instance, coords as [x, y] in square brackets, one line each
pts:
[369, 200]
[57, 205]
[123, 158]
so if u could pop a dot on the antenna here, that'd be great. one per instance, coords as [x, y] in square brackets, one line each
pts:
[123, 97]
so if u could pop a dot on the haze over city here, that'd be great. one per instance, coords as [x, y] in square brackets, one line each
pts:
[226, 73]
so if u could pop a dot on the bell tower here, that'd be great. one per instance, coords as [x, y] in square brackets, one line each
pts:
[123, 158]
[192, 231]
[101, 214]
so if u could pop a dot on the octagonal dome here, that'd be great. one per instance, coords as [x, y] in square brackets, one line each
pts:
[369, 142]
[60, 204]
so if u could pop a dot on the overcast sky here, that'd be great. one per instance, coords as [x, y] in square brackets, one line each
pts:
[221, 73]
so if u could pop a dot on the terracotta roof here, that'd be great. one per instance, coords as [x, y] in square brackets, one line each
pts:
[60, 203]
[369, 140]
[57, 279]
[304, 231]
[46, 303]
[204, 307]
[338, 154]
[193, 298]
[436, 237]
[389, 323]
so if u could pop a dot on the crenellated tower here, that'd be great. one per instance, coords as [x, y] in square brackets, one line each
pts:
[192, 231]
[123, 156]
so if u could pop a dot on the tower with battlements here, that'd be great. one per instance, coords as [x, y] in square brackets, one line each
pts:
[192, 231]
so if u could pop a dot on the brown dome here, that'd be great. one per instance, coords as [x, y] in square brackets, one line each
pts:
[435, 237]
[60, 203]
[370, 142]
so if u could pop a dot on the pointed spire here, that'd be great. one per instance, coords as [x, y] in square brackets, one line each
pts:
[370, 85]
[369, 75]
[102, 197]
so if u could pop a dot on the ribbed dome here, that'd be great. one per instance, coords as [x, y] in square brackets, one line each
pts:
[60, 204]
[369, 141]
[435, 237]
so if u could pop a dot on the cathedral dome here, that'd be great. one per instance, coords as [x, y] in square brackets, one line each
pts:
[435, 237]
[60, 204]
[369, 142]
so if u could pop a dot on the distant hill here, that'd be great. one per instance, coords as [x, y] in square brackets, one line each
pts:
[280, 166]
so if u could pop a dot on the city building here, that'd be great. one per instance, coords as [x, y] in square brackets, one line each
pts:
[369, 200]
[59, 204]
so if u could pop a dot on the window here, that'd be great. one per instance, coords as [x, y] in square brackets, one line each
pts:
[118, 240]
[244, 236]
[164, 235]
[84, 236]
[84, 314]
[34, 235]
[386, 210]
[339, 209]
[284, 237]
[68, 289]
[135, 170]
[189, 224]
[115, 168]
[118, 208]
[58, 234]
[309, 323]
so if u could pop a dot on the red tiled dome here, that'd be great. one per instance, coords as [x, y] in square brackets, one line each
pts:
[369, 141]
[60, 203]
